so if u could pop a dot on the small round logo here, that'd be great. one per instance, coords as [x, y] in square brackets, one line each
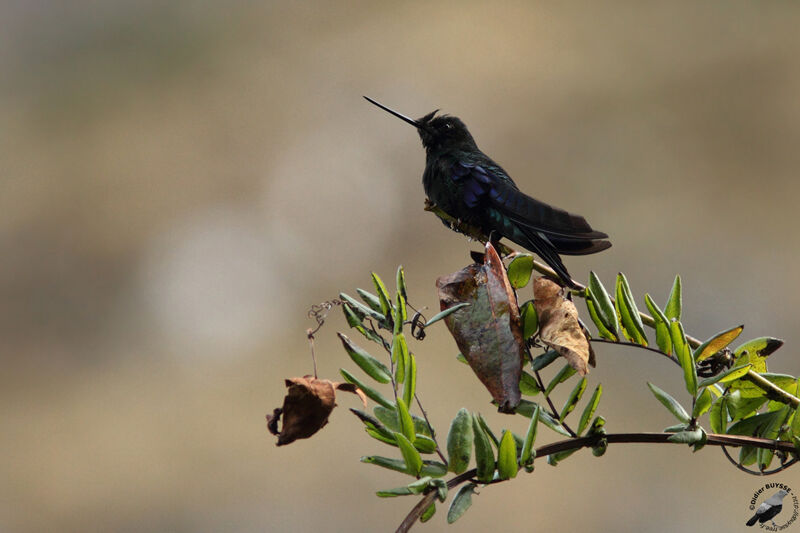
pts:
[774, 507]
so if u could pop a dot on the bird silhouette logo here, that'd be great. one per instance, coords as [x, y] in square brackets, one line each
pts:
[766, 513]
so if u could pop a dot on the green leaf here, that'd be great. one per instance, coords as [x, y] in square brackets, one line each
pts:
[410, 384]
[373, 368]
[602, 329]
[748, 455]
[428, 513]
[488, 431]
[717, 343]
[541, 361]
[756, 352]
[526, 408]
[591, 407]
[429, 468]
[573, 399]
[424, 444]
[459, 442]
[388, 418]
[375, 425]
[417, 487]
[410, 454]
[519, 270]
[663, 338]
[604, 307]
[441, 489]
[383, 294]
[378, 435]
[684, 354]
[528, 385]
[371, 300]
[670, 403]
[447, 312]
[400, 313]
[530, 320]
[554, 458]
[393, 493]
[740, 406]
[461, 502]
[702, 404]
[724, 377]
[675, 301]
[687, 437]
[754, 425]
[563, 375]
[507, 456]
[406, 422]
[354, 321]
[399, 357]
[771, 431]
[718, 417]
[369, 391]
[795, 427]
[484, 456]
[361, 309]
[401, 282]
[629, 315]
[527, 454]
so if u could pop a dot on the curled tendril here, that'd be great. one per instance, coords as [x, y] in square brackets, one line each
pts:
[319, 312]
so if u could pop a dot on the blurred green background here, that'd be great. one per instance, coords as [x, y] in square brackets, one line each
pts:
[181, 181]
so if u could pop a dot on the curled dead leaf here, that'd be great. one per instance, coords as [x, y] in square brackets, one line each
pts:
[488, 331]
[559, 327]
[306, 407]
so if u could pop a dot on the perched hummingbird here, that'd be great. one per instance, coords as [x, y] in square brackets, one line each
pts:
[467, 185]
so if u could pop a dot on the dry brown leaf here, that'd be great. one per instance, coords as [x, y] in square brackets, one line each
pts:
[488, 331]
[559, 327]
[306, 407]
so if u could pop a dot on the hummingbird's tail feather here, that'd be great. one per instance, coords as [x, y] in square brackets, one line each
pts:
[541, 245]
[579, 246]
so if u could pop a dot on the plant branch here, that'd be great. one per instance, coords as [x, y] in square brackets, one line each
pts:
[584, 442]
[770, 388]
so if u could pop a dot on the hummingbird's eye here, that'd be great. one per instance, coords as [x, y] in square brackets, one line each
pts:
[448, 125]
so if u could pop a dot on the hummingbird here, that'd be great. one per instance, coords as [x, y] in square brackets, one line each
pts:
[470, 187]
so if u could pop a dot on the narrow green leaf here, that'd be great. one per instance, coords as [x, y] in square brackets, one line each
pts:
[628, 313]
[602, 329]
[488, 431]
[675, 301]
[388, 418]
[429, 468]
[484, 456]
[371, 300]
[461, 502]
[526, 408]
[591, 407]
[748, 455]
[401, 282]
[528, 385]
[753, 425]
[740, 406]
[554, 458]
[355, 322]
[410, 384]
[663, 338]
[519, 270]
[383, 294]
[447, 312]
[573, 399]
[717, 343]
[687, 437]
[375, 425]
[670, 403]
[541, 361]
[684, 354]
[459, 442]
[369, 391]
[410, 454]
[702, 404]
[406, 422]
[507, 456]
[428, 513]
[724, 377]
[795, 427]
[527, 454]
[530, 320]
[461, 359]
[441, 489]
[563, 375]
[399, 357]
[400, 313]
[362, 310]
[371, 366]
[718, 416]
[393, 493]
[771, 431]
[604, 307]
[375, 434]
[424, 444]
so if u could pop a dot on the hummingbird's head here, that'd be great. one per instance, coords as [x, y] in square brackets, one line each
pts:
[437, 133]
[443, 132]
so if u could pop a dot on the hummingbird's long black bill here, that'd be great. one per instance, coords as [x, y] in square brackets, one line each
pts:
[395, 113]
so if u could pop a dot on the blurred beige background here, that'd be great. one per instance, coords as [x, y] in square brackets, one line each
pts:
[180, 181]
